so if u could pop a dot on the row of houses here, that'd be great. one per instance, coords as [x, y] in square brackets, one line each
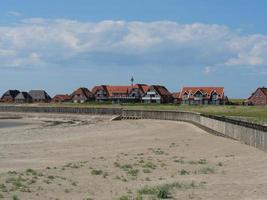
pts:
[135, 93]
[123, 94]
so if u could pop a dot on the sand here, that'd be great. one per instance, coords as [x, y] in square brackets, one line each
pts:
[58, 156]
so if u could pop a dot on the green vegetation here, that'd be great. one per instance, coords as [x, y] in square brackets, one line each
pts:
[96, 172]
[163, 191]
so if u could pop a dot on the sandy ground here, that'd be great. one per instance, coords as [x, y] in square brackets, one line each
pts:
[90, 157]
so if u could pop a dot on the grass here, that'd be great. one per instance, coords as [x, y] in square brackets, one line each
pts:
[256, 114]
[163, 191]
[206, 170]
[96, 172]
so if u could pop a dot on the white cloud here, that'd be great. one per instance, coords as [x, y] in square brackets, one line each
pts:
[37, 41]
[14, 13]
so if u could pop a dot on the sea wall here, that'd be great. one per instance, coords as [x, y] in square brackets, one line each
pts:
[248, 133]
[77, 110]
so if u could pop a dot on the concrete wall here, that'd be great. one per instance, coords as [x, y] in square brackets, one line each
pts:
[247, 133]
[94, 111]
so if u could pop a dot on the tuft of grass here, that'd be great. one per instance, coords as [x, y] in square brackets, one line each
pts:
[206, 170]
[150, 165]
[15, 197]
[184, 172]
[163, 191]
[198, 162]
[146, 171]
[133, 172]
[96, 172]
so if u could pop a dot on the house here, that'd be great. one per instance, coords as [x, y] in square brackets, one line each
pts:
[202, 95]
[82, 95]
[176, 97]
[100, 93]
[60, 98]
[157, 94]
[130, 93]
[9, 96]
[40, 96]
[23, 97]
[259, 97]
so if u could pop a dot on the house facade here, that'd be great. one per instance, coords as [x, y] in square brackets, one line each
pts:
[202, 95]
[119, 94]
[39, 96]
[61, 98]
[176, 97]
[23, 97]
[100, 93]
[82, 95]
[9, 96]
[258, 98]
[157, 94]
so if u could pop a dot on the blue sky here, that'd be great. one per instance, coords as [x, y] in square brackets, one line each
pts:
[61, 45]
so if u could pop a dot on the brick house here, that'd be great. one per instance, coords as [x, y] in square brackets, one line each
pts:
[202, 95]
[157, 94]
[176, 97]
[82, 95]
[60, 98]
[259, 97]
[131, 93]
[9, 96]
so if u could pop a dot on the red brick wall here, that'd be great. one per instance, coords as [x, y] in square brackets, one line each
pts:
[258, 98]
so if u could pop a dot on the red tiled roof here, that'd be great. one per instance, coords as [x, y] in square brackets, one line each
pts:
[176, 95]
[162, 91]
[120, 89]
[61, 97]
[264, 90]
[82, 91]
[98, 87]
[205, 90]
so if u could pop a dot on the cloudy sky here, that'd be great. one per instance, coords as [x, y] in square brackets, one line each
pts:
[60, 45]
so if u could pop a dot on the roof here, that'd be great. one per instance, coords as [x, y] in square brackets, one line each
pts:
[176, 95]
[99, 87]
[124, 89]
[61, 97]
[82, 91]
[12, 93]
[263, 90]
[39, 94]
[204, 90]
[23, 96]
[161, 90]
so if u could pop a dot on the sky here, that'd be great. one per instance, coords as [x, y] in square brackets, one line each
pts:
[60, 45]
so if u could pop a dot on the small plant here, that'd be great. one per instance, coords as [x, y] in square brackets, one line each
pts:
[124, 198]
[206, 170]
[146, 171]
[150, 165]
[96, 172]
[220, 164]
[184, 172]
[105, 175]
[133, 172]
[66, 190]
[15, 197]
[51, 177]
